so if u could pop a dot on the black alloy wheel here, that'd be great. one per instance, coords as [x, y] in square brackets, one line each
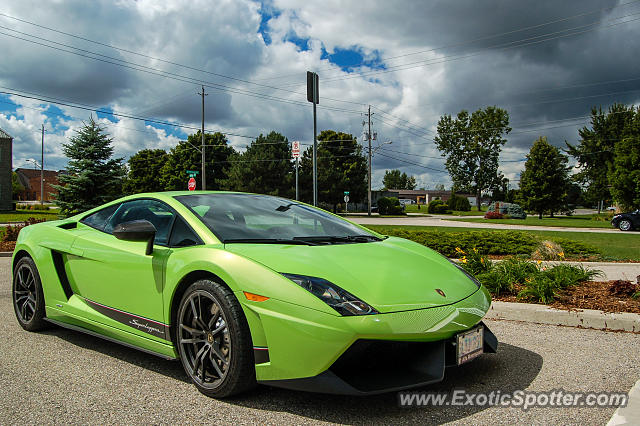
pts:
[28, 298]
[214, 341]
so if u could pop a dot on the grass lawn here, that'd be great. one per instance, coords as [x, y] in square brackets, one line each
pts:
[623, 246]
[22, 215]
[583, 221]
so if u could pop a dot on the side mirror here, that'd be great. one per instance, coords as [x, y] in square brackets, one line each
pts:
[137, 230]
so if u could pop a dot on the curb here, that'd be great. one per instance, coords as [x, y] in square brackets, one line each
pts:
[6, 253]
[585, 318]
[630, 414]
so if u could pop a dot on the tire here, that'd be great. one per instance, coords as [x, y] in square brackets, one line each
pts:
[214, 341]
[625, 225]
[27, 296]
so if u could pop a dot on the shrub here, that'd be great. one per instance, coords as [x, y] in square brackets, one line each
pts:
[565, 276]
[389, 205]
[493, 215]
[12, 231]
[437, 207]
[538, 289]
[459, 203]
[548, 250]
[474, 262]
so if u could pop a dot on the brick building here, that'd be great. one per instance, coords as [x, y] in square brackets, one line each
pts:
[6, 153]
[30, 180]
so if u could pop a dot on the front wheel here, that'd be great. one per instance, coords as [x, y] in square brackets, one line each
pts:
[624, 225]
[214, 341]
[28, 298]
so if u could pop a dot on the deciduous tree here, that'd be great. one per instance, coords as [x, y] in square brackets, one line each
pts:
[597, 147]
[265, 167]
[471, 145]
[145, 168]
[341, 167]
[187, 156]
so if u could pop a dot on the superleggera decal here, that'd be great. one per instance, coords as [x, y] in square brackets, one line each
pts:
[149, 326]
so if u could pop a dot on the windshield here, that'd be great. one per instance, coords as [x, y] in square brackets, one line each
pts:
[263, 218]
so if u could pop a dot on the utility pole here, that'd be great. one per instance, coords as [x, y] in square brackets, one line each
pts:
[369, 139]
[42, 170]
[204, 181]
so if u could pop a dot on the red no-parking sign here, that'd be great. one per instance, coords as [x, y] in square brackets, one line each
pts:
[192, 184]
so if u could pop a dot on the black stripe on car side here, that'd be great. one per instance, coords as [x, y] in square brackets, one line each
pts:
[152, 327]
[260, 354]
[58, 263]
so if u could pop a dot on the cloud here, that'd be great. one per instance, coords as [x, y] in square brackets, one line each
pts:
[543, 62]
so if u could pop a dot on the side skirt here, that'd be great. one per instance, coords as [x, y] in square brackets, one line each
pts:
[110, 339]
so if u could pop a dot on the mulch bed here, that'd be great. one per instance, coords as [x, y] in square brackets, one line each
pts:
[7, 245]
[590, 295]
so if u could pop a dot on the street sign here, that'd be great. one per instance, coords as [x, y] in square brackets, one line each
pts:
[192, 173]
[192, 184]
[346, 192]
[313, 93]
[295, 149]
[346, 198]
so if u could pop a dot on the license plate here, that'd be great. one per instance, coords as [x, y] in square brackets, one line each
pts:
[469, 344]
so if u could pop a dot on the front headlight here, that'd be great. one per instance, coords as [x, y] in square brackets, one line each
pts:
[342, 301]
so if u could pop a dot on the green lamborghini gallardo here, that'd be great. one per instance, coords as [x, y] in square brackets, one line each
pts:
[247, 289]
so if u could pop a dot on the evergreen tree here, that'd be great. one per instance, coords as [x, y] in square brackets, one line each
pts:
[92, 177]
[544, 181]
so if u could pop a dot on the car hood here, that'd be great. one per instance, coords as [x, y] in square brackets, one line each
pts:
[390, 275]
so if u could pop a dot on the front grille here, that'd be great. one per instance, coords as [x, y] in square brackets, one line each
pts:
[372, 365]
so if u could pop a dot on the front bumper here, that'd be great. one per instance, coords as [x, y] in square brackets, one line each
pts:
[377, 366]
[298, 344]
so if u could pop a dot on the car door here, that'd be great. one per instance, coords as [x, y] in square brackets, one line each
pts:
[115, 277]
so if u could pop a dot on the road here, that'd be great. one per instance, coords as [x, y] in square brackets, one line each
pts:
[439, 221]
[60, 376]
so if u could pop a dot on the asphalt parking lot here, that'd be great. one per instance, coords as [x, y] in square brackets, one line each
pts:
[60, 376]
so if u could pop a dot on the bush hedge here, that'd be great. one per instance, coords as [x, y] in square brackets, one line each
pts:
[487, 242]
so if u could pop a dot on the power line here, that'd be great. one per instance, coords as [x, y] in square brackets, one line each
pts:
[117, 114]
[411, 162]
[149, 57]
[474, 40]
[503, 46]
[166, 74]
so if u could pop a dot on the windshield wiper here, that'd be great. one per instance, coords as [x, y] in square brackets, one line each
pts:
[270, 241]
[339, 238]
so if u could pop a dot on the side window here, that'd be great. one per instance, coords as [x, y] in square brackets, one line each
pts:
[99, 219]
[182, 235]
[159, 214]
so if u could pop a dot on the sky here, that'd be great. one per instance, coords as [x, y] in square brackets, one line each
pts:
[137, 66]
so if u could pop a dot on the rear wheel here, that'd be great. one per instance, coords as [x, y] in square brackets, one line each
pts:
[625, 225]
[214, 341]
[28, 298]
